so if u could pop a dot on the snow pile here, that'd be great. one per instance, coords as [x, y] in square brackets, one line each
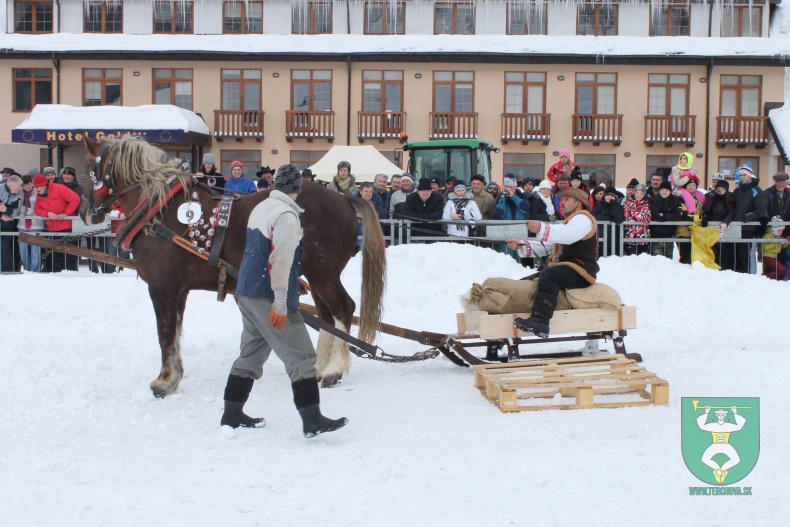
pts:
[85, 443]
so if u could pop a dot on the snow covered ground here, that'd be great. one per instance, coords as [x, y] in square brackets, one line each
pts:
[83, 441]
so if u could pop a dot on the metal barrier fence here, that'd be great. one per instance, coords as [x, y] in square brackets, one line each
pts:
[612, 240]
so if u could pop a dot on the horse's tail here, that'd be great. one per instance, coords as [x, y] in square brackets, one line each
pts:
[374, 270]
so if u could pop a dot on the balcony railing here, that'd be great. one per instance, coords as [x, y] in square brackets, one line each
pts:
[596, 129]
[450, 125]
[309, 125]
[742, 131]
[526, 127]
[670, 129]
[238, 124]
[380, 125]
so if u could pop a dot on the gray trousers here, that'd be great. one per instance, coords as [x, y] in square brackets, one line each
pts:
[291, 343]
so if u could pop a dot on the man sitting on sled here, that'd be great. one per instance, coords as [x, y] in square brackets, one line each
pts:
[573, 246]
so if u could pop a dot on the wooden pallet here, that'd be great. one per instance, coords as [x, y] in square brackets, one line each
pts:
[607, 381]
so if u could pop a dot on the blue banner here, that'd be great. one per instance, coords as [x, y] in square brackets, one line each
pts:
[76, 136]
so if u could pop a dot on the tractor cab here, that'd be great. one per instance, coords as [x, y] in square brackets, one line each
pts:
[441, 159]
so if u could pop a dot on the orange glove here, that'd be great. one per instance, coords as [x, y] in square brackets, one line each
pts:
[304, 287]
[278, 314]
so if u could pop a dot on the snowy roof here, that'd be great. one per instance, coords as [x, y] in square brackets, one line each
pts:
[779, 122]
[160, 123]
[402, 46]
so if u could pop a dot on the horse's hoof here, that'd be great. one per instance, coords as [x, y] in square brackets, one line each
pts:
[330, 380]
[161, 389]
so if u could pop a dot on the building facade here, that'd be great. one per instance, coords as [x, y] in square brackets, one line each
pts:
[625, 86]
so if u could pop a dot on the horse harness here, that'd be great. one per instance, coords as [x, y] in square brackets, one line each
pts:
[214, 231]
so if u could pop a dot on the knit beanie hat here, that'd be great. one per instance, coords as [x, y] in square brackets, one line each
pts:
[49, 170]
[33, 172]
[564, 152]
[424, 184]
[611, 191]
[576, 175]
[665, 185]
[745, 170]
[40, 180]
[459, 186]
[208, 157]
[68, 170]
[510, 180]
[407, 176]
[640, 187]
[288, 180]
[723, 183]
[633, 183]
[545, 184]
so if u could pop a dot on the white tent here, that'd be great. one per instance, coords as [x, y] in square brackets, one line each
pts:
[365, 161]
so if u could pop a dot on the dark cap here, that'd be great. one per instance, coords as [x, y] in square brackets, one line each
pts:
[633, 183]
[781, 176]
[434, 180]
[665, 185]
[264, 170]
[288, 180]
[424, 184]
[8, 170]
[723, 183]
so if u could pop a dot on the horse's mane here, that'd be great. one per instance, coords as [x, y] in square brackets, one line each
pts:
[137, 161]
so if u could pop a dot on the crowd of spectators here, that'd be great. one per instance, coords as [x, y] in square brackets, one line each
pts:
[455, 208]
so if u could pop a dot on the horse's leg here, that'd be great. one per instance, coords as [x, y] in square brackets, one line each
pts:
[336, 308]
[169, 308]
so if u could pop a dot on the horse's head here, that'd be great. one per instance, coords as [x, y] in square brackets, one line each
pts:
[99, 193]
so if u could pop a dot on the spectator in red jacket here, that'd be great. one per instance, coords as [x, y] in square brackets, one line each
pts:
[56, 202]
[563, 166]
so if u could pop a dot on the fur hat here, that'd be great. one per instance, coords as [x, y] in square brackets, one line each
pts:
[236, 163]
[344, 164]
[665, 185]
[424, 184]
[633, 183]
[579, 195]
[723, 183]
[781, 176]
[288, 180]
[40, 180]
[510, 180]
[545, 184]
[208, 157]
[478, 177]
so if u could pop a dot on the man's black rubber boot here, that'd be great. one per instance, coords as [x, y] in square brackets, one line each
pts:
[237, 391]
[542, 311]
[307, 401]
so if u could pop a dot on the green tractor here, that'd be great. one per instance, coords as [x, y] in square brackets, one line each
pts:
[441, 159]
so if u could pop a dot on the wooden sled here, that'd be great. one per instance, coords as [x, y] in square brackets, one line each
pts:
[495, 332]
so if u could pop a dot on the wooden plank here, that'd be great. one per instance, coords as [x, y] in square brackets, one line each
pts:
[61, 247]
[460, 319]
[563, 322]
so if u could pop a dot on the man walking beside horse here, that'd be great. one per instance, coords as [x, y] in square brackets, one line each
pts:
[268, 297]
[573, 246]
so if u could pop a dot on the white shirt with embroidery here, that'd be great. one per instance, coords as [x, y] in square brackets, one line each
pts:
[550, 233]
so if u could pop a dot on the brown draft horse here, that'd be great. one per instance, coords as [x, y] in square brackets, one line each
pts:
[135, 171]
